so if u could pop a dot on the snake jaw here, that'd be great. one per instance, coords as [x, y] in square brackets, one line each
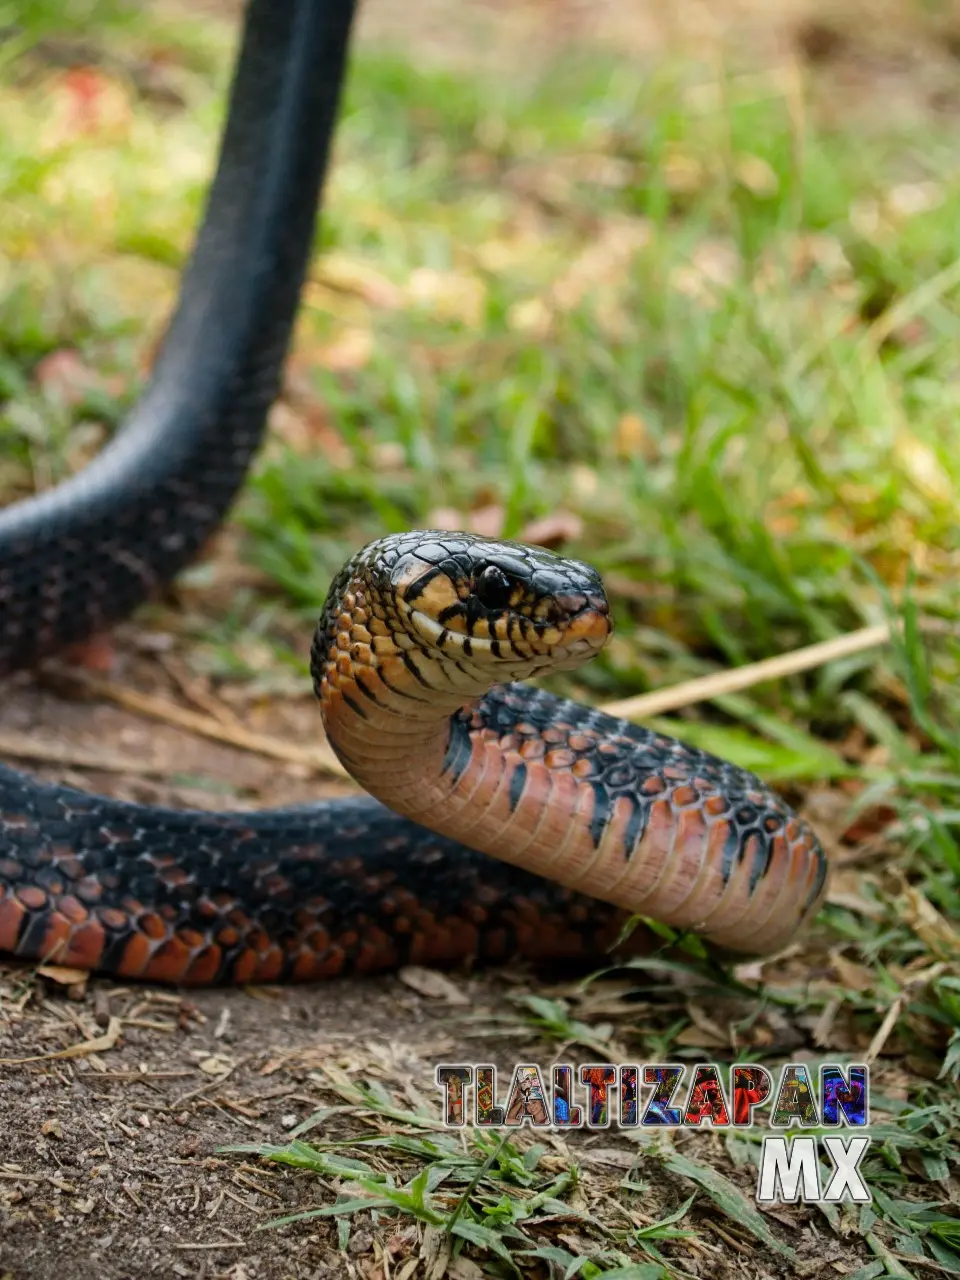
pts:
[564, 647]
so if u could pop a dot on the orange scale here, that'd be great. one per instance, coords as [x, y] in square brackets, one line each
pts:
[85, 947]
[440, 945]
[270, 965]
[304, 967]
[56, 938]
[652, 786]
[244, 967]
[32, 896]
[204, 967]
[191, 937]
[685, 796]
[715, 805]
[559, 758]
[72, 909]
[12, 914]
[136, 954]
[152, 925]
[318, 941]
[496, 943]
[228, 937]
[112, 918]
[371, 958]
[716, 839]
[169, 963]
[417, 949]
[173, 877]
[90, 890]
[526, 937]
[331, 965]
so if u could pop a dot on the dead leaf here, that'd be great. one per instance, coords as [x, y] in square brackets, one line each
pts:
[923, 466]
[856, 977]
[463, 1269]
[933, 930]
[487, 521]
[434, 985]
[711, 270]
[448, 518]
[530, 316]
[553, 530]
[63, 376]
[754, 173]
[601, 263]
[351, 351]
[62, 975]
[346, 275]
[449, 294]
[215, 1066]
[631, 438]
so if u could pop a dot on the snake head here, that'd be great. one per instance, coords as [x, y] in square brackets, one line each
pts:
[509, 610]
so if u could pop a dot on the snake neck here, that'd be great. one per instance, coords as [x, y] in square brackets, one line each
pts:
[392, 713]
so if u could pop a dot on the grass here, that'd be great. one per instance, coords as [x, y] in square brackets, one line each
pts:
[707, 329]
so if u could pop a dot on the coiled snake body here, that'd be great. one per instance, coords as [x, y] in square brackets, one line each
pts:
[588, 819]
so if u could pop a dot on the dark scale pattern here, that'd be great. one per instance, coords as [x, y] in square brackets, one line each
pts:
[292, 894]
[624, 760]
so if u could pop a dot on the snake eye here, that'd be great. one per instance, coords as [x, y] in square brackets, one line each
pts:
[493, 588]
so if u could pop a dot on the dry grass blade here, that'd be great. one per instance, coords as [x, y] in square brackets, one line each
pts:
[722, 682]
[318, 758]
[99, 1044]
[18, 746]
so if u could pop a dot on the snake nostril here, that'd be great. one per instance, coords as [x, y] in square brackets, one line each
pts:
[572, 606]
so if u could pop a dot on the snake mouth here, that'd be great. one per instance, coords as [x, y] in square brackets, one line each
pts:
[576, 639]
[591, 623]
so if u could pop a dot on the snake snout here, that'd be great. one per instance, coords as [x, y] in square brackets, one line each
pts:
[587, 618]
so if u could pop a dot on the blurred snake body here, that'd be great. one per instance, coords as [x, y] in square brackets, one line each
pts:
[507, 823]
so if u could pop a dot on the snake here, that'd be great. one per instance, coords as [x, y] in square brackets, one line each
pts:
[499, 822]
